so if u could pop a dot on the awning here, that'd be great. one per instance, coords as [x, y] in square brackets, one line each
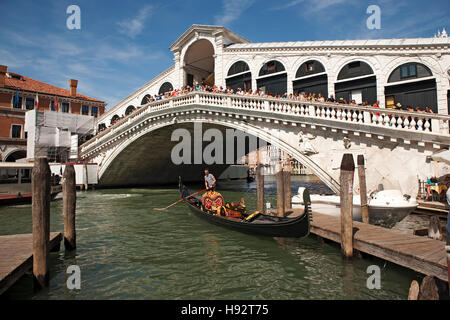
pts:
[442, 156]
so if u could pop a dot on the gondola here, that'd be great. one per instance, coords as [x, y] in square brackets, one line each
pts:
[254, 223]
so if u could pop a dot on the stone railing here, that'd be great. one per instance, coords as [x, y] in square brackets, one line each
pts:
[400, 120]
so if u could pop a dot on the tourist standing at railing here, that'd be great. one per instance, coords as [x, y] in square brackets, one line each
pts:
[320, 98]
[331, 99]
[377, 105]
[428, 110]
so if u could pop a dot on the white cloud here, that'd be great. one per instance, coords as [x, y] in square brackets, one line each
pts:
[290, 4]
[312, 6]
[134, 27]
[232, 10]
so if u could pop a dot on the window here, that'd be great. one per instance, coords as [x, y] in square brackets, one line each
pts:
[17, 104]
[52, 105]
[272, 66]
[409, 71]
[29, 103]
[16, 131]
[65, 107]
[94, 111]
[354, 65]
[238, 67]
[85, 110]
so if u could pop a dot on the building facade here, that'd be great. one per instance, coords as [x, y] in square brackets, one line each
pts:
[19, 94]
[409, 72]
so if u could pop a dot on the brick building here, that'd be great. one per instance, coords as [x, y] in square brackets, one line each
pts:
[18, 94]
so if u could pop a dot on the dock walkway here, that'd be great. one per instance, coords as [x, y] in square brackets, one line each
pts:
[420, 254]
[16, 256]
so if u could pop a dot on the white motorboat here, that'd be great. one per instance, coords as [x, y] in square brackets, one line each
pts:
[385, 207]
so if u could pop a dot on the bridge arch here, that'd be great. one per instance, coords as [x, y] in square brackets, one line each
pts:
[199, 62]
[165, 87]
[129, 109]
[239, 75]
[411, 84]
[272, 78]
[356, 80]
[311, 77]
[146, 99]
[279, 141]
[114, 118]
[15, 154]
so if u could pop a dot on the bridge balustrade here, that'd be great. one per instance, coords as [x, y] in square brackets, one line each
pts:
[377, 117]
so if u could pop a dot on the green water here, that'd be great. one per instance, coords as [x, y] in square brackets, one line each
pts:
[126, 250]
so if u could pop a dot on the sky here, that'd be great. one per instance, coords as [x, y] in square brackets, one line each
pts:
[122, 45]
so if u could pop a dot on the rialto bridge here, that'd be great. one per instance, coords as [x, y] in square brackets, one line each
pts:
[397, 144]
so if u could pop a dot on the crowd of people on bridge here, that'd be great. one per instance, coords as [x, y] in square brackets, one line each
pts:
[298, 96]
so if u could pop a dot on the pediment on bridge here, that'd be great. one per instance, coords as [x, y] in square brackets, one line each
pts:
[196, 30]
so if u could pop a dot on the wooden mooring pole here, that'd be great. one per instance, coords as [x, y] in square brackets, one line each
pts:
[447, 249]
[40, 211]
[363, 189]
[69, 207]
[259, 188]
[280, 192]
[346, 195]
[287, 187]
[85, 176]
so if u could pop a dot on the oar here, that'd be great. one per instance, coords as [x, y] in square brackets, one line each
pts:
[177, 202]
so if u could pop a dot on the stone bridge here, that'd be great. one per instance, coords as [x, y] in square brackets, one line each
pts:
[397, 145]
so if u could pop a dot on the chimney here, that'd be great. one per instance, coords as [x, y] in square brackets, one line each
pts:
[3, 71]
[73, 87]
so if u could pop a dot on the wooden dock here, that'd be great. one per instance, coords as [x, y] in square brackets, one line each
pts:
[16, 256]
[420, 254]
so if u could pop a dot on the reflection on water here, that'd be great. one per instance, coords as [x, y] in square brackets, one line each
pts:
[127, 250]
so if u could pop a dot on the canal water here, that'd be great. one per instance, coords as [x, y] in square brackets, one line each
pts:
[127, 250]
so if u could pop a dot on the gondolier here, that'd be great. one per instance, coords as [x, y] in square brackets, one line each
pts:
[210, 181]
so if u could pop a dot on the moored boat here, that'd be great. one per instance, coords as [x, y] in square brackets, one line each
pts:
[15, 187]
[385, 207]
[252, 223]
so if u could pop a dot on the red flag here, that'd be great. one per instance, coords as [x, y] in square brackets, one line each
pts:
[36, 102]
[55, 103]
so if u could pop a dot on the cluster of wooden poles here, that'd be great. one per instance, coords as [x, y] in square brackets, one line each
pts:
[284, 195]
[40, 185]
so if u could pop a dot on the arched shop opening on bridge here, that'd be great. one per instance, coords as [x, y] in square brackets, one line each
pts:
[101, 126]
[311, 77]
[412, 85]
[239, 76]
[272, 78]
[199, 63]
[356, 81]
[165, 87]
[114, 118]
[129, 110]
[146, 99]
